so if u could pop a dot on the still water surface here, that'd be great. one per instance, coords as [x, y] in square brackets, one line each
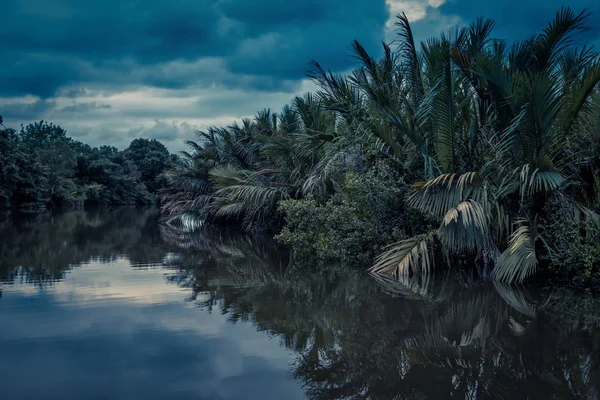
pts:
[109, 304]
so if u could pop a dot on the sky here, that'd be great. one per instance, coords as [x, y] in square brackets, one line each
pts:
[112, 331]
[114, 70]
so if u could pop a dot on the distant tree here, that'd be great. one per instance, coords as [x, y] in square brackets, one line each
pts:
[109, 177]
[23, 179]
[40, 165]
[150, 157]
[40, 134]
[51, 145]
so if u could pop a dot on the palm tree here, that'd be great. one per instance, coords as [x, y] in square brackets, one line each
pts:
[502, 125]
[240, 173]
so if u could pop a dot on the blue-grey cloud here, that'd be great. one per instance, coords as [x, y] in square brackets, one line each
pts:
[236, 56]
[49, 46]
[521, 19]
[131, 351]
[27, 111]
[73, 93]
[84, 107]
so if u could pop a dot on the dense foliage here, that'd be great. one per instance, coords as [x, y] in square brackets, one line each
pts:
[41, 166]
[490, 141]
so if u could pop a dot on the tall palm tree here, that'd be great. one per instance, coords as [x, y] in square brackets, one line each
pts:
[503, 125]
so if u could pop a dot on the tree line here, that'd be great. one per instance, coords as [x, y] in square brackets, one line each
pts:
[40, 166]
[467, 149]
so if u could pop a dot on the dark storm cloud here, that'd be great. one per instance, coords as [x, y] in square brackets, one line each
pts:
[258, 14]
[294, 33]
[149, 31]
[521, 19]
[251, 44]
[27, 111]
[48, 46]
[32, 73]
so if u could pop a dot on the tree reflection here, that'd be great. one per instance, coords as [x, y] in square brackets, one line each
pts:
[360, 337]
[42, 248]
[354, 336]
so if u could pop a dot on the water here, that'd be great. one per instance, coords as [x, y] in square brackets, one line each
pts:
[107, 304]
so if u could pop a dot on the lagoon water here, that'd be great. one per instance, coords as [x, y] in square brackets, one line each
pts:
[110, 304]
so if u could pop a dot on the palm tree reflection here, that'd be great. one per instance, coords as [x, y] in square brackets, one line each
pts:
[360, 337]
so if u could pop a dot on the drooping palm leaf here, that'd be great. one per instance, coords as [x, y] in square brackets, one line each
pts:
[545, 178]
[412, 255]
[445, 192]
[519, 260]
[466, 228]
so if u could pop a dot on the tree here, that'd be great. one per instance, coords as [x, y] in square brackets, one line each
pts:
[23, 179]
[240, 173]
[150, 157]
[42, 166]
[515, 156]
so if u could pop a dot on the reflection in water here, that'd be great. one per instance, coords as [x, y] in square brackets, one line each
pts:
[41, 248]
[86, 313]
[350, 335]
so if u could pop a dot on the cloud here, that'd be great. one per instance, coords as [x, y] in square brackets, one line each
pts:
[73, 93]
[84, 107]
[114, 41]
[104, 70]
[171, 116]
[26, 110]
[174, 134]
[518, 19]
[38, 74]
[76, 342]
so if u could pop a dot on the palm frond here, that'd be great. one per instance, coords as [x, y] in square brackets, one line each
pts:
[542, 179]
[253, 197]
[411, 255]
[228, 175]
[445, 192]
[466, 228]
[557, 36]
[583, 213]
[519, 260]
[410, 59]
[580, 91]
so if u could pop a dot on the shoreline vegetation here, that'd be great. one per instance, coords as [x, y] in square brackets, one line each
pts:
[465, 151]
[40, 167]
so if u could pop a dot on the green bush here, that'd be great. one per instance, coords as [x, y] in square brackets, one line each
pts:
[360, 218]
[575, 248]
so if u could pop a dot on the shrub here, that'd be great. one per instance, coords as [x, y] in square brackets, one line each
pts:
[354, 224]
[576, 248]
